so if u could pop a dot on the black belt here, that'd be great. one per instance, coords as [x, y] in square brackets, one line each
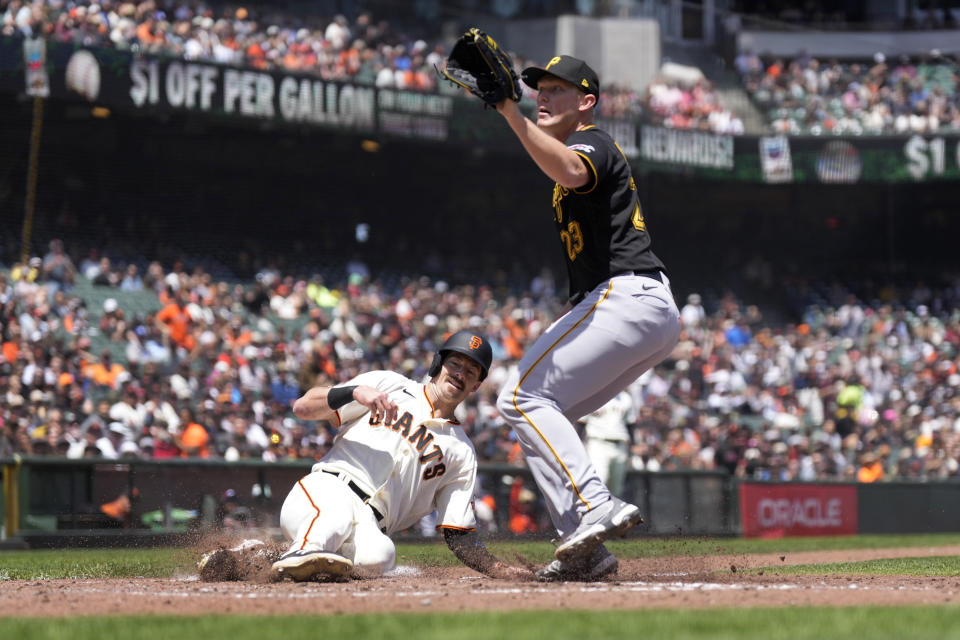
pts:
[655, 274]
[357, 490]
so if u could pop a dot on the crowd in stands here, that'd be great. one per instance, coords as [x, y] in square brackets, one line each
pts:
[694, 105]
[823, 15]
[333, 47]
[800, 96]
[811, 96]
[364, 50]
[865, 389]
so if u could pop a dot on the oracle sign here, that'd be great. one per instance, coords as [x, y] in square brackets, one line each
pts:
[776, 510]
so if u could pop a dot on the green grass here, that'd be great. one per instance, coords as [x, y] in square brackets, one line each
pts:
[161, 563]
[798, 623]
[662, 547]
[940, 566]
[785, 623]
[693, 546]
[47, 564]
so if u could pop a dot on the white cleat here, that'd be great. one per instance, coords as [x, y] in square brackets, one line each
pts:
[303, 565]
[612, 519]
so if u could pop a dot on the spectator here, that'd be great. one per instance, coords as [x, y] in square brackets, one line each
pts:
[174, 321]
[105, 373]
[58, 269]
[113, 321]
[90, 265]
[692, 313]
[871, 468]
[193, 440]
[129, 412]
[131, 279]
[607, 440]
[522, 509]
[105, 276]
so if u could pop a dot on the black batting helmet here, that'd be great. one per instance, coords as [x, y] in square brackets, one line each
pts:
[469, 344]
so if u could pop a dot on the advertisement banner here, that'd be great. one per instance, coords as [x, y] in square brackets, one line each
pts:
[125, 82]
[37, 83]
[687, 148]
[775, 159]
[779, 510]
[122, 81]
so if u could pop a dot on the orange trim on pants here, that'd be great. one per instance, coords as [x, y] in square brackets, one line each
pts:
[316, 508]
[516, 390]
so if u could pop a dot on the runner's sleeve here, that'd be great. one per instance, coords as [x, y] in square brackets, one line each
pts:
[454, 501]
[383, 380]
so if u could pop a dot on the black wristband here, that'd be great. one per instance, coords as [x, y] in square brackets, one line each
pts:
[339, 396]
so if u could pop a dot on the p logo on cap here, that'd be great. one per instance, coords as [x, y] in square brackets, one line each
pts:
[573, 70]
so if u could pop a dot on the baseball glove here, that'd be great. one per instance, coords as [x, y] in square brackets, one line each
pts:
[478, 64]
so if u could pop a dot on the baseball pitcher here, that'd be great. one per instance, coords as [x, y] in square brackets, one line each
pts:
[620, 320]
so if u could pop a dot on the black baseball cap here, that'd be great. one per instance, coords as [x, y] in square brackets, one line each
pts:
[573, 70]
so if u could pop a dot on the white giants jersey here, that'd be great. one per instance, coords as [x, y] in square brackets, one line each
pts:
[609, 422]
[411, 466]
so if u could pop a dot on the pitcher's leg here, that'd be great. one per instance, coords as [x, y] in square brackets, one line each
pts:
[558, 495]
[592, 403]
[560, 369]
[580, 362]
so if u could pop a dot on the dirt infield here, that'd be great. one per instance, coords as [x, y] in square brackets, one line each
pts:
[688, 582]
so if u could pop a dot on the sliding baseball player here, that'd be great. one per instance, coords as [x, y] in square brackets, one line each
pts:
[399, 454]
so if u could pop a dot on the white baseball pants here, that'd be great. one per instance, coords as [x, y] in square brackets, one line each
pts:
[321, 513]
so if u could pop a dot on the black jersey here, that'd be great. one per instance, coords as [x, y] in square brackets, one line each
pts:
[601, 225]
